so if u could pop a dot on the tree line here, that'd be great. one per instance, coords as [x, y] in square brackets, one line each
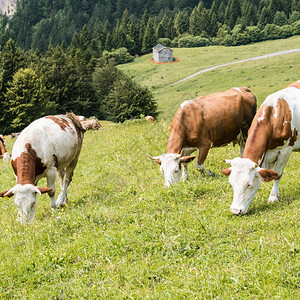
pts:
[137, 25]
[62, 80]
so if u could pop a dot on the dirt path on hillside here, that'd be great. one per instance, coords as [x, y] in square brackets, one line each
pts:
[236, 62]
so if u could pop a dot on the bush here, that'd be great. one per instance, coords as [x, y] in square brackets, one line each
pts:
[128, 100]
[165, 41]
[272, 32]
[193, 41]
[296, 27]
[254, 33]
[121, 56]
[295, 16]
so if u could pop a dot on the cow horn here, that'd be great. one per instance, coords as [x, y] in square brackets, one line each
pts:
[37, 190]
[181, 153]
[155, 158]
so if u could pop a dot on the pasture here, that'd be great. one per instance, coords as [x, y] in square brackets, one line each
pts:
[124, 236]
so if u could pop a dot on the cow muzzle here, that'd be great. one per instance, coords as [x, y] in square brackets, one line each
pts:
[236, 211]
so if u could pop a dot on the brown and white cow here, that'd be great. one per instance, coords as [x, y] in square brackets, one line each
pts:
[272, 137]
[3, 152]
[91, 124]
[149, 119]
[48, 146]
[209, 121]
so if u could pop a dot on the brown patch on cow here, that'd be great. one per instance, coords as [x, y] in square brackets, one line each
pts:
[295, 84]
[60, 121]
[272, 131]
[27, 166]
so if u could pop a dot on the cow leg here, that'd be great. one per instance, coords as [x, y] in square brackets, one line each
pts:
[65, 179]
[202, 154]
[51, 180]
[282, 159]
[186, 152]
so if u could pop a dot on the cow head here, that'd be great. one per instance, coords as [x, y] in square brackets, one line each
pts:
[170, 166]
[245, 177]
[25, 199]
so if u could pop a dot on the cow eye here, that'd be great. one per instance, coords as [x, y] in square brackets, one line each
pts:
[250, 184]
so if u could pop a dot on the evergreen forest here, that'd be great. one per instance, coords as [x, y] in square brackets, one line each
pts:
[58, 56]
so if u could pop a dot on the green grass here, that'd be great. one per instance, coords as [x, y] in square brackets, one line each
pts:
[262, 76]
[124, 236]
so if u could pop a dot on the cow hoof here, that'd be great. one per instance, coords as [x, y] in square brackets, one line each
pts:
[210, 173]
[273, 198]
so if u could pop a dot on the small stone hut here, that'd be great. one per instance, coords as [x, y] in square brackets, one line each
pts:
[162, 53]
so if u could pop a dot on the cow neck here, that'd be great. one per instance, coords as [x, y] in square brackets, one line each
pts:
[257, 141]
[27, 166]
[175, 143]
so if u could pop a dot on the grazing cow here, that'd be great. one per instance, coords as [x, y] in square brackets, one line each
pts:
[91, 124]
[47, 146]
[272, 137]
[3, 152]
[81, 118]
[210, 121]
[149, 119]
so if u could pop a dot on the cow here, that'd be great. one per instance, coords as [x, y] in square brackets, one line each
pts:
[149, 119]
[91, 124]
[81, 118]
[208, 121]
[272, 137]
[48, 146]
[3, 152]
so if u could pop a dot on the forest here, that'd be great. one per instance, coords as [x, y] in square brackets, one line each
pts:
[58, 56]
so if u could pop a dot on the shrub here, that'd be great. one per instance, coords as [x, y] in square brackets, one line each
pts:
[165, 41]
[121, 56]
[272, 31]
[193, 41]
[296, 27]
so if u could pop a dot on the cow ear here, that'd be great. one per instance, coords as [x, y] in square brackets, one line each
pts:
[7, 193]
[44, 190]
[267, 175]
[226, 171]
[187, 159]
[155, 158]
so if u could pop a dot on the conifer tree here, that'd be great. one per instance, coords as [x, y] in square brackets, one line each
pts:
[27, 99]
[149, 39]
[232, 13]
[181, 22]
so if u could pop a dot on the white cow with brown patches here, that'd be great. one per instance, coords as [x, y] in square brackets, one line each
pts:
[272, 137]
[48, 146]
[205, 122]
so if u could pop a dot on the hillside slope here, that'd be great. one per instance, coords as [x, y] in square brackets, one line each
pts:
[263, 76]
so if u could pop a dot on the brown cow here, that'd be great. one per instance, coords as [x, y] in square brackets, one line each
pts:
[209, 121]
[149, 119]
[91, 124]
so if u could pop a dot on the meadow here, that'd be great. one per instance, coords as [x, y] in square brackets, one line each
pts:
[124, 236]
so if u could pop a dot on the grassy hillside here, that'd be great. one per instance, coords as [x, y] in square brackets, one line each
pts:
[124, 236]
[262, 76]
